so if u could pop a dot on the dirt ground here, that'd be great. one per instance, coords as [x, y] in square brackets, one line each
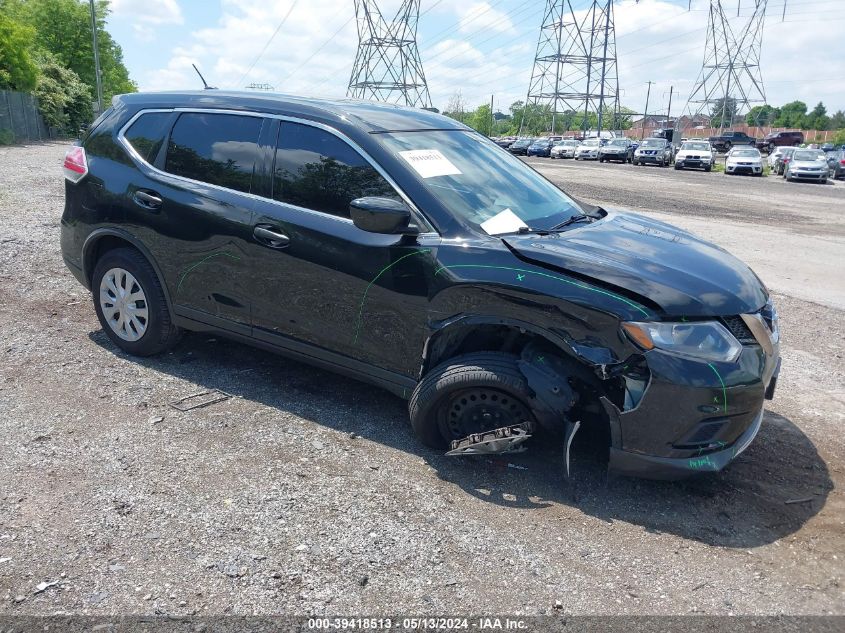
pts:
[306, 493]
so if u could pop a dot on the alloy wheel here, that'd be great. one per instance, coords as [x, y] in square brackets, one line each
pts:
[124, 304]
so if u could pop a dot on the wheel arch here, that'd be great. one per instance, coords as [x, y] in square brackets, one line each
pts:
[103, 240]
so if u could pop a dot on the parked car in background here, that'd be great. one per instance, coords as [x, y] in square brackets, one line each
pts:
[724, 142]
[695, 155]
[505, 141]
[618, 149]
[564, 149]
[540, 147]
[836, 162]
[654, 150]
[520, 146]
[588, 149]
[773, 140]
[782, 159]
[773, 156]
[827, 147]
[744, 160]
[807, 164]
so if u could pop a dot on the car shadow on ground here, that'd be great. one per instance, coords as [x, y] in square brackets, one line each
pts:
[769, 492]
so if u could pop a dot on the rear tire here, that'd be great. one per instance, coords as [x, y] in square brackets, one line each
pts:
[141, 326]
[468, 394]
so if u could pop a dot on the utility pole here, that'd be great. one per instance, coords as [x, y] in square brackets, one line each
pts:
[645, 112]
[669, 110]
[491, 115]
[96, 58]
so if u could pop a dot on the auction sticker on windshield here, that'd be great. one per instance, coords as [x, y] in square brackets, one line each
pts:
[429, 163]
[503, 222]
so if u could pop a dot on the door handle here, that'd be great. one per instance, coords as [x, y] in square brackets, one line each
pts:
[268, 236]
[148, 200]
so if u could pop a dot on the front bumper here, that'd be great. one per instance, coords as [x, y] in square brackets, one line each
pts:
[650, 158]
[808, 175]
[691, 163]
[693, 416]
[587, 155]
[623, 156]
[744, 169]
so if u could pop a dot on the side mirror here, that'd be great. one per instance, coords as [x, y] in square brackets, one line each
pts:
[381, 215]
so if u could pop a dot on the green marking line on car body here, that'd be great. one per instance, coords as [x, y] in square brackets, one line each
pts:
[201, 262]
[722, 382]
[555, 277]
[374, 279]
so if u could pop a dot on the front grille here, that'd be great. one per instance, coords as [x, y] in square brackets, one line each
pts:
[738, 328]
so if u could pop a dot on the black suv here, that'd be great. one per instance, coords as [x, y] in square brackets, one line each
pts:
[400, 247]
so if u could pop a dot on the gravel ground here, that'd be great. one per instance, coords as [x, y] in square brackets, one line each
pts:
[306, 493]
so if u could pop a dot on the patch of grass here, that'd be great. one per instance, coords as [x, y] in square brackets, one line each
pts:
[6, 137]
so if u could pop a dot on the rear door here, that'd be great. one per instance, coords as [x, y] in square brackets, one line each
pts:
[324, 282]
[193, 208]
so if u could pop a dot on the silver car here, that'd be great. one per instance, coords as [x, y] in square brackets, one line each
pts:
[564, 149]
[807, 164]
[588, 149]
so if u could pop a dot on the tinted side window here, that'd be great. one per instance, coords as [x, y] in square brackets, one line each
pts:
[317, 170]
[147, 134]
[220, 149]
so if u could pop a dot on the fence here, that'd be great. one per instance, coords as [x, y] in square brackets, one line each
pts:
[19, 114]
[756, 132]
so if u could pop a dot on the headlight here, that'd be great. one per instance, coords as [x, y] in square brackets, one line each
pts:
[704, 340]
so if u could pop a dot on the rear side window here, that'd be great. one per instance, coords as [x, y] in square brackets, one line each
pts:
[147, 134]
[220, 149]
[316, 170]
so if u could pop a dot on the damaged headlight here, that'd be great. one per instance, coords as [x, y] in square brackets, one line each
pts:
[705, 340]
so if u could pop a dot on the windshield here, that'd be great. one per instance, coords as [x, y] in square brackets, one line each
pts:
[746, 153]
[699, 147]
[590, 142]
[477, 181]
[571, 143]
[653, 142]
[808, 156]
[621, 142]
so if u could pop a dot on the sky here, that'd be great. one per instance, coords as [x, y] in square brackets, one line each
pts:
[478, 48]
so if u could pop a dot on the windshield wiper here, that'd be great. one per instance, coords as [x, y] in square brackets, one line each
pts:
[578, 217]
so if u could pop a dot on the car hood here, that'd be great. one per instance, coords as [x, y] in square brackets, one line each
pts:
[679, 272]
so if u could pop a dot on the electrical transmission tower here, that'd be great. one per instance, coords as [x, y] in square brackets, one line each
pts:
[387, 65]
[575, 64]
[730, 79]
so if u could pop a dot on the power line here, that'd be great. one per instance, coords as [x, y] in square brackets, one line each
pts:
[269, 41]
[317, 52]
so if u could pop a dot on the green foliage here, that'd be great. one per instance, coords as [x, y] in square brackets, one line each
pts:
[817, 119]
[17, 69]
[837, 121]
[63, 28]
[791, 114]
[64, 100]
[762, 115]
[723, 111]
[6, 137]
[839, 137]
[481, 120]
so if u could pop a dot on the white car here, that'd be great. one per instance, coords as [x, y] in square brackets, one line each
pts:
[772, 159]
[695, 154]
[564, 149]
[588, 149]
[807, 164]
[744, 160]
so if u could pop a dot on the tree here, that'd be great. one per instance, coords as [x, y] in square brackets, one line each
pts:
[17, 69]
[456, 108]
[480, 120]
[64, 100]
[791, 114]
[762, 115]
[63, 28]
[817, 119]
[723, 111]
[837, 121]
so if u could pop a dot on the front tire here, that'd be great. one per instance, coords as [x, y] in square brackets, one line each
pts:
[130, 304]
[469, 394]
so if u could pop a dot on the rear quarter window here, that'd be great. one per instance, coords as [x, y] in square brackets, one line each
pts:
[146, 135]
[220, 149]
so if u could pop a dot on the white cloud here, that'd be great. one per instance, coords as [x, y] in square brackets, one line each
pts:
[145, 15]
[657, 40]
[481, 16]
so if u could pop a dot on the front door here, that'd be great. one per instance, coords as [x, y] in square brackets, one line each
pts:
[322, 281]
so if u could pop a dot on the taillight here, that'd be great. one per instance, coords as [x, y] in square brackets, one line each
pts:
[76, 164]
[842, 162]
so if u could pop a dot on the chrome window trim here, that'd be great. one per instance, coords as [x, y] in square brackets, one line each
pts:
[121, 138]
